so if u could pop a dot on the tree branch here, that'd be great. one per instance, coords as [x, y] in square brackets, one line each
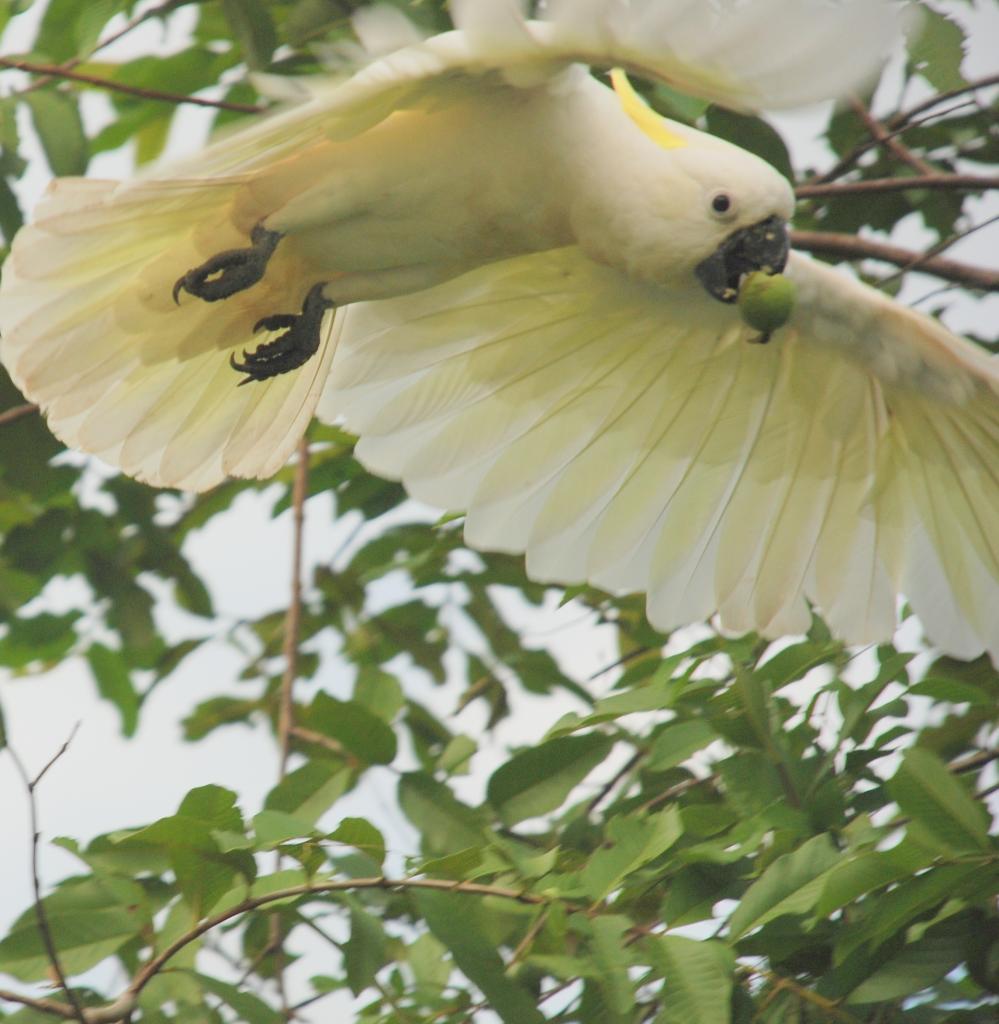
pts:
[110, 1014]
[56, 71]
[896, 125]
[16, 412]
[905, 116]
[67, 65]
[853, 247]
[286, 701]
[30, 785]
[891, 142]
[293, 620]
[326, 742]
[935, 180]
[154, 966]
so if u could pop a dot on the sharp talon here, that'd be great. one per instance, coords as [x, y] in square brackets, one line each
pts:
[275, 323]
[291, 349]
[230, 271]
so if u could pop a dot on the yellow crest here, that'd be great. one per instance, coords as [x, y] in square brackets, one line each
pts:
[656, 127]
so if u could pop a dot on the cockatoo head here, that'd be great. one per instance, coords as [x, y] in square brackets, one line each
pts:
[734, 210]
[727, 210]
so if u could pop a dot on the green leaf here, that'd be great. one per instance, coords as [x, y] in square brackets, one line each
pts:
[88, 920]
[365, 952]
[698, 980]
[351, 724]
[56, 116]
[916, 967]
[253, 29]
[913, 897]
[859, 875]
[249, 1008]
[607, 934]
[631, 843]
[114, 682]
[456, 921]
[309, 791]
[446, 824]
[538, 780]
[944, 814]
[938, 50]
[362, 835]
[213, 805]
[272, 828]
[678, 741]
[752, 134]
[791, 885]
[41, 638]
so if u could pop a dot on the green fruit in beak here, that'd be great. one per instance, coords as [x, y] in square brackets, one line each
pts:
[766, 301]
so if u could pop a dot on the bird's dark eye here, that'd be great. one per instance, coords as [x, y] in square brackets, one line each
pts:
[721, 202]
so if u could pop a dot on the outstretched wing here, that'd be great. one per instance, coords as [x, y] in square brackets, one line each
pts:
[632, 437]
[90, 331]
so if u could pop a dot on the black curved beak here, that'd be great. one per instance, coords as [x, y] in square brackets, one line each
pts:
[762, 246]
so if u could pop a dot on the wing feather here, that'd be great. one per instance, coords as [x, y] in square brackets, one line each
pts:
[632, 437]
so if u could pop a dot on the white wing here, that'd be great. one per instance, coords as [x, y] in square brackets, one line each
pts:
[632, 437]
[89, 330]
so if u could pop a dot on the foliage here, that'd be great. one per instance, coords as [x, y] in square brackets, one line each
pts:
[734, 831]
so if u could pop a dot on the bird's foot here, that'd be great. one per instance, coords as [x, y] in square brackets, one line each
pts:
[290, 350]
[230, 271]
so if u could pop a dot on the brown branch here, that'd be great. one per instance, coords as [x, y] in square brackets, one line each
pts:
[891, 142]
[56, 71]
[972, 762]
[896, 125]
[286, 703]
[30, 785]
[853, 247]
[110, 1014]
[935, 180]
[68, 65]
[327, 742]
[15, 413]
[606, 789]
[905, 116]
[293, 620]
[678, 790]
[154, 966]
[827, 1006]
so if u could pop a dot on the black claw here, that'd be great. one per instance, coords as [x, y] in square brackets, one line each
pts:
[290, 350]
[278, 322]
[230, 271]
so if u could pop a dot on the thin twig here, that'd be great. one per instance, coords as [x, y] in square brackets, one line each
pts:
[678, 790]
[286, 705]
[56, 71]
[972, 182]
[805, 995]
[110, 1014]
[154, 966]
[16, 412]
[30, 785]
[890, 141]
[529, 936]
[906, 116]
[853, 247]
[293, 620]
[68, 65]
[900, 122]
[326, 742]
[973, 761]
[608, 787]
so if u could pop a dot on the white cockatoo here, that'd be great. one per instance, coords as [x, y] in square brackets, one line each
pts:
[516, 283]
